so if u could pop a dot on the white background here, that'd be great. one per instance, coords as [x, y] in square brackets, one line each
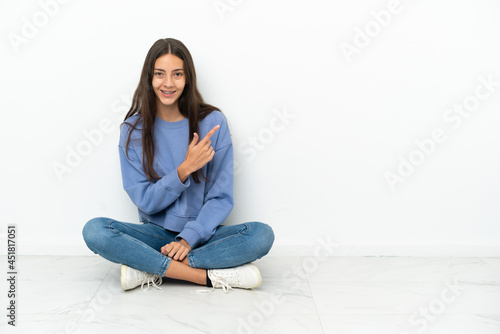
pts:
[319, 173]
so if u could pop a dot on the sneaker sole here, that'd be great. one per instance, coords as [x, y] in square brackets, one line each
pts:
[123, 277]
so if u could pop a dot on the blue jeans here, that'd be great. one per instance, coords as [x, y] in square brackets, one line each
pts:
[139, 245]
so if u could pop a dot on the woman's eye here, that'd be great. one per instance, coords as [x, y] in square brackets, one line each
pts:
[158, 73]
[178, 74]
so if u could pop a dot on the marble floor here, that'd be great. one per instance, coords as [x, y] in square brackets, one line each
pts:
[346, 295]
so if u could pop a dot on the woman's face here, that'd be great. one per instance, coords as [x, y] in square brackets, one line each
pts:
[168, 79]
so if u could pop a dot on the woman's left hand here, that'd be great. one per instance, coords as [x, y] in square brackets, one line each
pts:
[176, 250]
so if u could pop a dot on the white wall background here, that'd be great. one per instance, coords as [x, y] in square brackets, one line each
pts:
[317, 174]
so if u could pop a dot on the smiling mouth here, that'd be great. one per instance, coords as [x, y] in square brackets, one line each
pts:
[165, 93]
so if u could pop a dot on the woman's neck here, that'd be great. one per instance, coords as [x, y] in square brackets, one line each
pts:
[169, 113]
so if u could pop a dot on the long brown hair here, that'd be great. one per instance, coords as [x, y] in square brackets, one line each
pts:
[191, 104]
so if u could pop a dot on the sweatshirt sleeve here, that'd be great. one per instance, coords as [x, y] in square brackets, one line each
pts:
[150, 197]
[218, 201]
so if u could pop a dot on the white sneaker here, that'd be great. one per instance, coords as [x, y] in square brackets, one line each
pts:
[131, 278]
[246, 276]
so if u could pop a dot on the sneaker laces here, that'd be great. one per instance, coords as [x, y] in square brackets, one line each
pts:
[151, 279]
[224, 280]
[223, 283]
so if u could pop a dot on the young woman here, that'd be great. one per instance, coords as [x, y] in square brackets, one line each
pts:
[176, 158]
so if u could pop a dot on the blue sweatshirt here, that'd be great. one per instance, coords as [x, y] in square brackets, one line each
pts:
[192, 209]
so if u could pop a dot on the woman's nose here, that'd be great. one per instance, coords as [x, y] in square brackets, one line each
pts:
[168, 81]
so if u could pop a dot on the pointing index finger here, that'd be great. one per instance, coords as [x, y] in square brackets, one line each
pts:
[215, 128]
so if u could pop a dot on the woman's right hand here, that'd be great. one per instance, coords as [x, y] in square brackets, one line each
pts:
[198, 155]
